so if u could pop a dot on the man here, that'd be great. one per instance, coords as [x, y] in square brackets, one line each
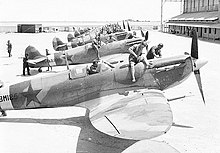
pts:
[93, 68]
[96, 47]
[25, 65]
[136, 56]
[9, 47]
[155, 51]
[111, 39]
[131, 35]
[49, 67]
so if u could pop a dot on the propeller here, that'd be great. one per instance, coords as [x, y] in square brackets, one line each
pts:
[129, 28]
[146, 36]
[123, 24]
[197, 62]
[142, 33]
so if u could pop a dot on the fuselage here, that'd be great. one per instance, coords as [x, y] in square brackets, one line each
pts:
[89, 37]
[86, 53]
[69, 88]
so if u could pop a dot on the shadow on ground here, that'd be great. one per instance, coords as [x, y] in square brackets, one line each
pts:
[90, 139]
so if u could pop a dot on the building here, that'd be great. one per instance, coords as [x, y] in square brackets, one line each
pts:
[203, 15]
[29, 28]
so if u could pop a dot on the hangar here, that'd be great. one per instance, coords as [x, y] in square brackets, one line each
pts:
[203, 15]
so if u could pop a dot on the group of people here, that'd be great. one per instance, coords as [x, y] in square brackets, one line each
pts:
[25, 59]
[137, 55]
[111, 28]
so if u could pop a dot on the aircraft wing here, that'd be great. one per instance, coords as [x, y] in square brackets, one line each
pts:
[37, 60]
[137, 116]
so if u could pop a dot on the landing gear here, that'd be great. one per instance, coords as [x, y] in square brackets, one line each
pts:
[40, 70]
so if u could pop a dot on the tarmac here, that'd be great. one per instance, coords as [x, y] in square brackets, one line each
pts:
[196, 125]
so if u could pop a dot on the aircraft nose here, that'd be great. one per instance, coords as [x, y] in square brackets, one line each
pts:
[199, 63]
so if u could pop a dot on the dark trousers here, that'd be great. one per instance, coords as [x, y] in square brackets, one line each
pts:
[9, 53]
[28, 70]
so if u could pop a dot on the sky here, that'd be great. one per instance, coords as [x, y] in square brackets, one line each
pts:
[86, 10]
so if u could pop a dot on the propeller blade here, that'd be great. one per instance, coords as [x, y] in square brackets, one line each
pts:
[129, 29]
[146, 36]
[123, 24]
[142, 33]
[194, 45]
[199, 82]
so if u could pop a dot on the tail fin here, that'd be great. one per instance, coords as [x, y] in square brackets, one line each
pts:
[57, 43]
[70, 37]
[32, 52]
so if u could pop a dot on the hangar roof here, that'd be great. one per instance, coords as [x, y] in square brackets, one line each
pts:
[195, 25]
[197, 16]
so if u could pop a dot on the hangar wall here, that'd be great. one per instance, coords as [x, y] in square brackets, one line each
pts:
[203, 15]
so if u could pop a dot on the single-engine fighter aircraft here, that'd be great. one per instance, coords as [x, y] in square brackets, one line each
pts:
[147, 111]
[79, 55]
[79, 40]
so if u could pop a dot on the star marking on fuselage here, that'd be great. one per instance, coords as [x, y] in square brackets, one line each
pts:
[31, 95]
[69, 57]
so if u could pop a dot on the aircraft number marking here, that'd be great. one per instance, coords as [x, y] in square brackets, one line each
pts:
[8, 97]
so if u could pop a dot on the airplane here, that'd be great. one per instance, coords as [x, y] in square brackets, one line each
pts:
[148, 111]
[79, 55]
[79, 40]
[108, 97]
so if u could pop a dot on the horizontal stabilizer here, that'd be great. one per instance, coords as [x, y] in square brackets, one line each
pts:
[35, 61]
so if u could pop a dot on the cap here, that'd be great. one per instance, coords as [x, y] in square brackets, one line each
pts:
[160, 44]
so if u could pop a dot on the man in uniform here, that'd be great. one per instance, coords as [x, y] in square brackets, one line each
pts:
[131, 35]
[155, 51]
[136, 56]
[94, 67]
[49, 67]
[25, 65]
[9, 47]
[111, 39]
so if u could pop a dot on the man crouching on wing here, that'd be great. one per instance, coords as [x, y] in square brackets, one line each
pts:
[136, 56]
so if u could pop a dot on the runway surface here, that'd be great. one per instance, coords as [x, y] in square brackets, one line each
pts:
[196, 126]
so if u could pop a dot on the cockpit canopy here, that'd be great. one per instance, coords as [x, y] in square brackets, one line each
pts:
[83, 70]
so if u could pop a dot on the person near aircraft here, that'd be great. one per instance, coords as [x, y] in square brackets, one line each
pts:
[94, 67]
[25, 65]
[136, 56]
[96, 46]
[9, 48]
[155, 51]
[49, 67]
[47, 52]
[98, 39]
[111, 39]
[131, 35]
